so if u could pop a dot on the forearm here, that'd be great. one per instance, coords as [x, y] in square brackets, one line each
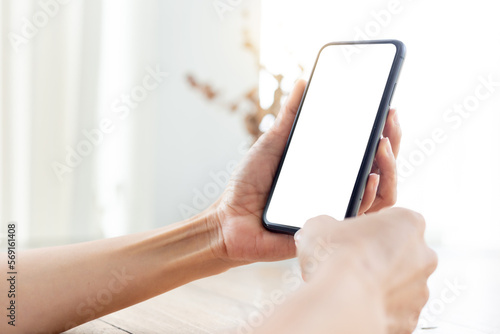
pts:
[341, 299]
[69, 285]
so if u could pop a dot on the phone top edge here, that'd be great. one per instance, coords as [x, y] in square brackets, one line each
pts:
[372, 41]
[400, 46]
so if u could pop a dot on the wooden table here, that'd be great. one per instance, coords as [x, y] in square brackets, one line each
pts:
[465, 299]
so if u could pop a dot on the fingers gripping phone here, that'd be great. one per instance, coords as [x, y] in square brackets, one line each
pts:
[334, 138]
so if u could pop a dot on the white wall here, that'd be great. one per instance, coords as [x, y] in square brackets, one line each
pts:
[67, 78]
[194, 136]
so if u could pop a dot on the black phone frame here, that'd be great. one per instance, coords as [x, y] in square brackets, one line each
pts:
[371, 149]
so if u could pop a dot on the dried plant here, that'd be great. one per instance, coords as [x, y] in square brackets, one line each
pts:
[249, 102]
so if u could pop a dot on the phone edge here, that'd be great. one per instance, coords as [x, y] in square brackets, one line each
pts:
[393, 74]
[378, 127]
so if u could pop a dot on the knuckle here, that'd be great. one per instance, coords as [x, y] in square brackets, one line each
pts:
[408, 215]
[433, 261]
[398, 211]
[418, 217]
[417, 220]
[425, 295]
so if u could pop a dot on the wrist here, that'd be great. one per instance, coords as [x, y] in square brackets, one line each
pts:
[203, 233]
[183, 252]
[212, 218]
[213, 236]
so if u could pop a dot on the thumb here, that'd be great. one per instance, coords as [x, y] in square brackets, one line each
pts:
[274, 140]
[286, 116]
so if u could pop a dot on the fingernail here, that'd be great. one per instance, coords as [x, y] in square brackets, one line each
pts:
[297, 236]
[395, 118]
[375, 185]
[388, 147]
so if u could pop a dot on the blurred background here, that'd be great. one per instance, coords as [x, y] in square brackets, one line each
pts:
[122, 116]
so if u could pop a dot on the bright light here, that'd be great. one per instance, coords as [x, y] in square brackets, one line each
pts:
[453, 182]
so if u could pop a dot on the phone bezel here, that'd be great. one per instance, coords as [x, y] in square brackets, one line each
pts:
[371, 149]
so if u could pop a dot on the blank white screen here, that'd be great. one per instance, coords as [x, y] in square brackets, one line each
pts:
[331, 134]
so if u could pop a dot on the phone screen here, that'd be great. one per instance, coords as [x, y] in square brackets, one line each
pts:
[331, 134]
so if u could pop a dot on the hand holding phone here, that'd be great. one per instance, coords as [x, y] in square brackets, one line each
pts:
[332, 144]
[237, 215]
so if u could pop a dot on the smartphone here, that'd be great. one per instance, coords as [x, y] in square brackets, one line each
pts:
[335, 135]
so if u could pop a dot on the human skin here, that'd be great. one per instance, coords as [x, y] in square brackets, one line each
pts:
[365, 275]
[72, 284]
